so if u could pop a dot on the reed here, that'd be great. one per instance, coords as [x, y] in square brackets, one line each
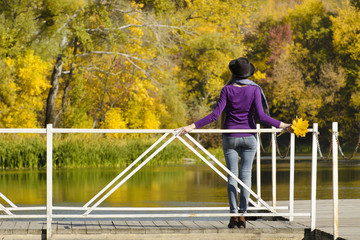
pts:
[71, 151]
[22, 152]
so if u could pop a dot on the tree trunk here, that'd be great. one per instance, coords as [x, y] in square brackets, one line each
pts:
[70, 78]
[50, 117]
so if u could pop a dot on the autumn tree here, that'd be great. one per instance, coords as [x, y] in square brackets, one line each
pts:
[219, 32]
[105, 55]
[119, 51]
[305, 75]
[346, 41]
[23, 90]
[24, 72]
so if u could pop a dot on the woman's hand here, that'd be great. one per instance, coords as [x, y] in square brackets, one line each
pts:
[286, 127]
[183, 130]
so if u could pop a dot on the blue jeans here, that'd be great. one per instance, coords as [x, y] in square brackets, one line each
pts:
[233, 147]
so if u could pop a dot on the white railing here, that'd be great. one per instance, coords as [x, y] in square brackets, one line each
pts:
[93, 204]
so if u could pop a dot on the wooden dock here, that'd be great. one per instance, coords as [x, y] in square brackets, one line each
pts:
[349, 214]
[150, 230]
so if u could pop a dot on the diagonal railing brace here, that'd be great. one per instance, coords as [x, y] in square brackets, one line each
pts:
[125, 170]
[129, 176]
[230, 173]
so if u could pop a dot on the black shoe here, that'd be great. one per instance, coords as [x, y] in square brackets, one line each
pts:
[234, 222]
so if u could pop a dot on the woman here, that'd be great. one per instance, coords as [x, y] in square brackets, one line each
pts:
[241, 99]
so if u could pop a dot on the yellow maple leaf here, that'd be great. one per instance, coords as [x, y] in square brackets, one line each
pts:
[300, 126]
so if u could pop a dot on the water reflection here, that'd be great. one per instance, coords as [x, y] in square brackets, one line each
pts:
[180, 185]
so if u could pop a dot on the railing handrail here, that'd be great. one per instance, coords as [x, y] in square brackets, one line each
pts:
[91, 130]
[49, 131]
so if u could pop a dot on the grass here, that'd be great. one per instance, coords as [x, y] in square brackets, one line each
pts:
[20, 152]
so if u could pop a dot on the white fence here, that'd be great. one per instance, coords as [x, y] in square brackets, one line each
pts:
[93, 205]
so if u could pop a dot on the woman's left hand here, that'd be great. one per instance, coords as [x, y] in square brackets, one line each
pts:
[183, 130]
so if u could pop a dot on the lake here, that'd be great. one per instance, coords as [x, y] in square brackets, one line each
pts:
[170, 185]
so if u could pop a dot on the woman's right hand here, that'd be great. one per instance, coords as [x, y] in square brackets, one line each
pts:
[286, 127]
[184, 130]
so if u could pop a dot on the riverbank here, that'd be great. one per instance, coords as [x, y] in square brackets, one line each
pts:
[82, 150]
[77, 151]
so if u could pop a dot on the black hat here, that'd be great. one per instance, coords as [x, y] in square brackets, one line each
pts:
[241, 67]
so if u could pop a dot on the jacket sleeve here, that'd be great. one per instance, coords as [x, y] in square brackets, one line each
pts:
[216, 112]
[264, 118]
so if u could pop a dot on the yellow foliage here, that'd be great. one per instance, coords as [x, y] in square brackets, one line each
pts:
[114, 120]
[144, 111]
[151, 121]
[258, 75]
[300, 127]
[355, 100]
[31, 72]
[19, 117]
[346, 27]
[65, 5]
[26, 83]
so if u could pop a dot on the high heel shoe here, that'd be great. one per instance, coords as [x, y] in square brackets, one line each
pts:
[234, 222]
[242, 222]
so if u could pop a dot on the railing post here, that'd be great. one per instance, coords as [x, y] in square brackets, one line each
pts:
[335, 179]
[313, 177]
[258, 167]
[49, 177]
[273, 161]
[292, 175]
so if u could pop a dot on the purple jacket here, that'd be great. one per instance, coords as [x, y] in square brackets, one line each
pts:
[242, 103]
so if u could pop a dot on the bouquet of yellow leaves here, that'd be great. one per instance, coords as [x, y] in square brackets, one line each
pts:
[299, 127]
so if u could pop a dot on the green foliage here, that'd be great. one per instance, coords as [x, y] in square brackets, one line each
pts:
[22, 152]
[312, 32]
[17, 152]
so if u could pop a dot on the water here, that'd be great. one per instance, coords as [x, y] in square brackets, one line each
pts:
[173, 185]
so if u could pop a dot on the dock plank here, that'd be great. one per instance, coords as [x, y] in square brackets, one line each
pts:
[78, 227]
[35, 227]
[149, 227]
[54, 226]
[7, 227]
[121, 227]
[135, 227]
[107, 227]
[21, 227]
[259, 224]
[178, 227]
[164, 227]
[192, 226]
[93, 227]
[206, 226]
[64, 227]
